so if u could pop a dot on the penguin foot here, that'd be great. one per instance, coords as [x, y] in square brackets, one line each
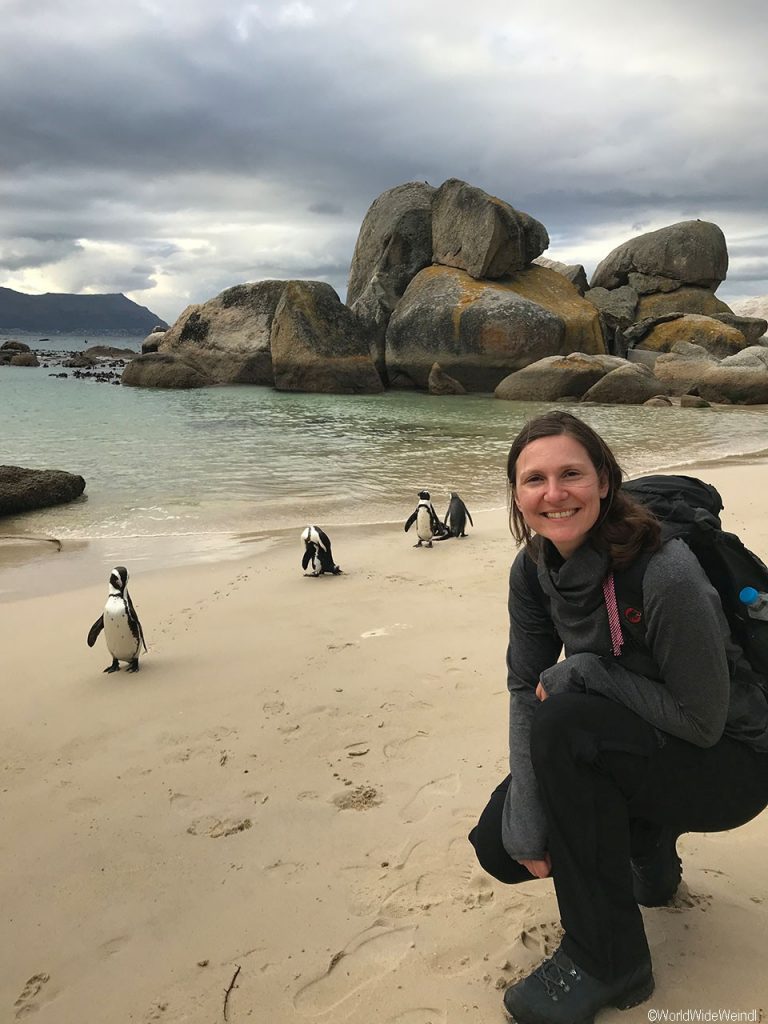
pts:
[429, 543]
[134, 666]
[114, 667]
[418, 545]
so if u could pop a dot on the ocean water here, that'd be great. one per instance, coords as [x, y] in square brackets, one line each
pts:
[179, 476]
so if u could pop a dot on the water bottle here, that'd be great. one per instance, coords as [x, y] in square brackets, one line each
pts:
[756, 603]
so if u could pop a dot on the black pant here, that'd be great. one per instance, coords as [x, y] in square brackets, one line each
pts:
[608, 781]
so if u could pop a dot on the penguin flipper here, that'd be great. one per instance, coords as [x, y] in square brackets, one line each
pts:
[94, 631]
[307, 558]
[133, 621]
[410, 521]
[469, 517]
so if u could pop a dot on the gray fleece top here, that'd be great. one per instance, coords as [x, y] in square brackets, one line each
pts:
[690, 680]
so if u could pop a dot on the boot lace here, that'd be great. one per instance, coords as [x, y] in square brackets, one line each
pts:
[557, 975]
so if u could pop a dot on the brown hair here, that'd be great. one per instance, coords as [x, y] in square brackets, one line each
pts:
[624, 527]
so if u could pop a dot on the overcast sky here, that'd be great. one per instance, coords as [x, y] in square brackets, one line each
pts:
[171, 148]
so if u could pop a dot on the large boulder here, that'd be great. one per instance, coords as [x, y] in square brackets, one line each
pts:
[485, 329]
[684, 300]
[163, 370]
[717, 338]
[14, 346]
[228, 337]
[679, 374]
[24, 359]
[573, 272]
[738, 385]
[741, 385]
[583, 331]
[82, 361]
[479, 331]
[22, 490]
[481, 234]
[617, 306]
[318, 344]
[755, 356]
[692, 252]
[152, 341]
[110, 352]
[557, 377]
[690, 350]
[753, 328]
[394, 244]
[631, 384]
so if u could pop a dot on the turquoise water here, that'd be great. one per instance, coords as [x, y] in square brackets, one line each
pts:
[212, 462]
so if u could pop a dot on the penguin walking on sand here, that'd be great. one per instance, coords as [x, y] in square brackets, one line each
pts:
[317, 550]
[457, 515]
[122, 629]
[428, 525]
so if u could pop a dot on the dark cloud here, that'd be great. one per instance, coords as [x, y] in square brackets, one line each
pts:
[164, 146]
[326, 207]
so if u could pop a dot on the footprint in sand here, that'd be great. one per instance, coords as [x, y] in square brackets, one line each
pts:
[370, 956]
[541, 939]
[113, 946]
[403, 748]
[428, 797]
[273, 707]
[27, 1002]
[218, 828]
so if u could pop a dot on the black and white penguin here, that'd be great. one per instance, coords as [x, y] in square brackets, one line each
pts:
[428, 525]
[457, 515]
[122, 629]
[317, 550]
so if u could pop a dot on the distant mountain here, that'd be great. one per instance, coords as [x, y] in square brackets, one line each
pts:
[73, 313]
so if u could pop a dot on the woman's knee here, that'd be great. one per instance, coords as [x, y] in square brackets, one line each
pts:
[577, 728]
[558, 721]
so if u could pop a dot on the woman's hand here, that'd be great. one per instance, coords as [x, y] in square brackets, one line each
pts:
[539, 868]
[541, 693]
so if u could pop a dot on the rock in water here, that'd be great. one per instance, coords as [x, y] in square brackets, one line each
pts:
[318, 344]
[22, 490]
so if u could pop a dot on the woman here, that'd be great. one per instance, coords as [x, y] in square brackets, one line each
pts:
[615, 750]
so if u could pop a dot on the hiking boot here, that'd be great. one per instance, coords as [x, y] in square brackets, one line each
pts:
[560, 992]
[656, 875]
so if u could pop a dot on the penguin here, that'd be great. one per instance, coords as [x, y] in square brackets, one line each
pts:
[317, 550]
[428, 525]
[458, 513]
[122, 629]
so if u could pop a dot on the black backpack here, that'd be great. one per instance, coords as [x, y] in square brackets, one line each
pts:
[689, 508]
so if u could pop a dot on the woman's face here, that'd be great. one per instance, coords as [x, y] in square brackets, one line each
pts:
[558, 491]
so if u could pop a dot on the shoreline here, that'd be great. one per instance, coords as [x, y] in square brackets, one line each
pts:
[33, 567]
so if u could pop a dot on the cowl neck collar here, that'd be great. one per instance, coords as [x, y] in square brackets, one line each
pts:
[576, 581]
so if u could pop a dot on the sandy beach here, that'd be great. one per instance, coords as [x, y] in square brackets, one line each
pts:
[268, 822]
